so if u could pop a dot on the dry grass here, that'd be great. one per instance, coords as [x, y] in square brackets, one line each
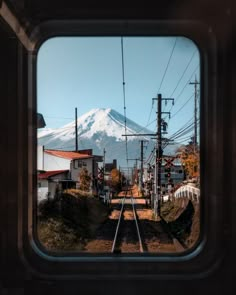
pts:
[66, 223]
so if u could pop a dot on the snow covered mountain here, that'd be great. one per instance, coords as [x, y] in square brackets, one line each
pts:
[101, 129]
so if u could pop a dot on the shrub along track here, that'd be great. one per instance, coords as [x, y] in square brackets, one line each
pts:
[85, 224]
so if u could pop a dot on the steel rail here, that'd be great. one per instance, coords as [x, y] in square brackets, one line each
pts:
[137, 226]
[118, 225]
[135, 220]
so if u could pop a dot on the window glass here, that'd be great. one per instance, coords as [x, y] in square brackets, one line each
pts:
[122, 119]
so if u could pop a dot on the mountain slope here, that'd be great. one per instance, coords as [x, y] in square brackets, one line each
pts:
[100, 129]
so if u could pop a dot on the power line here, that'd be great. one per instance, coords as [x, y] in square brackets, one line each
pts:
[123, 77]
[185, 85]
[182, 132]
[184, 72]
[195, 83]
[149, 115]
[167, 65]
[182, 106]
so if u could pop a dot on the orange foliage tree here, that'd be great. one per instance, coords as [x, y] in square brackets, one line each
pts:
[116, 179]
[84, 180]
[189, 156]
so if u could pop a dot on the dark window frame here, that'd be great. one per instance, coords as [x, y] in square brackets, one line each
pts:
[208, 251]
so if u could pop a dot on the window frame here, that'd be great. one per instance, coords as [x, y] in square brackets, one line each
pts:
[207, 253]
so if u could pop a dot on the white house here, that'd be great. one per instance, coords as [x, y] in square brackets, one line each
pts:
[54, 160]
[49, 181]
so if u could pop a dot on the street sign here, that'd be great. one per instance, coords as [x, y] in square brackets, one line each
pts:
[169, 162]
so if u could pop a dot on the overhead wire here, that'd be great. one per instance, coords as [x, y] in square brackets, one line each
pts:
[182, 132]
[149, 117]
[182, 106]
[183, 73]
[176, 99]
[183, 128]
[124, 98]
[167, 64]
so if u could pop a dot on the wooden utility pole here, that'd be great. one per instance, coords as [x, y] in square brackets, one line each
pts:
[141, 167]
[195, 83]
[76, 131]
[157, 175]
[135, 167]
[159, 153]
[104, 166]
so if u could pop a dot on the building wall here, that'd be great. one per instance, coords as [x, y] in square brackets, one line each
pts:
[177, 174]
[40, 157]
[52, 185]
[77, 165]
[55, 163]
[42, 189]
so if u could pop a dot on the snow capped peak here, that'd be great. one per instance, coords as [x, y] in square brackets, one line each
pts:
[98, 129]
[101, 120]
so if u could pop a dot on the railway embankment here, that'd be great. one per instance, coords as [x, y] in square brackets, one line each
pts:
[181, 217]
[84, 223]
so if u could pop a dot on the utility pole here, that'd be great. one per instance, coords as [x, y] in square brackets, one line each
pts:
[141, 167]
[159, 153]
[104, 165]
[195, 83]
[136, 165]
[76, 131]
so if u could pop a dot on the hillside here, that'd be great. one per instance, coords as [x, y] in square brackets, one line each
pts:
[101, 129]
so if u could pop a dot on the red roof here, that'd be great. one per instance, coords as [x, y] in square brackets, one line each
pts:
[68, 154]
[48, 174]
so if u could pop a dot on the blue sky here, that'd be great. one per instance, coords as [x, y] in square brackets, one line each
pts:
[86, 72]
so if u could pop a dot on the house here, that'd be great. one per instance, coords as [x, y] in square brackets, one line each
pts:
[50, 181]
[73, 161]
[110, 166]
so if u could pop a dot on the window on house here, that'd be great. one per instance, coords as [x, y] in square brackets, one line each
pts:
[135, 100]
[79, 164]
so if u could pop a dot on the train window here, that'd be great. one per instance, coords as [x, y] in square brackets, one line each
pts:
[119, 158]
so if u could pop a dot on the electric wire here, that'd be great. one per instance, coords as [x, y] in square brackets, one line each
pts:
[185, 129]
[187, 83]
[182, 106]
[167, 65]
[183, 73]
[124, 99]
[149, 117]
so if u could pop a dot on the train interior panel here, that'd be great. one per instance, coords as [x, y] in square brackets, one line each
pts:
[118, 147]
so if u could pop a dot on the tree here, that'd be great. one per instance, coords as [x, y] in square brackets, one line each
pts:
[116, 179]
[84, 180]
[189, 156]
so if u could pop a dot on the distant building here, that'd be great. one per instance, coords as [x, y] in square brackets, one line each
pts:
[110, 166]
[172, 173]
[176, 171]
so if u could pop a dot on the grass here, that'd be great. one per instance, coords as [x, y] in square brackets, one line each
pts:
[65, 222]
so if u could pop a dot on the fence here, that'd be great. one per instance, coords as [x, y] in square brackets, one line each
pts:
[188, 191]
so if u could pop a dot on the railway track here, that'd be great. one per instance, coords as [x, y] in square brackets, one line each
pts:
[127, 235]
[131, 228]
